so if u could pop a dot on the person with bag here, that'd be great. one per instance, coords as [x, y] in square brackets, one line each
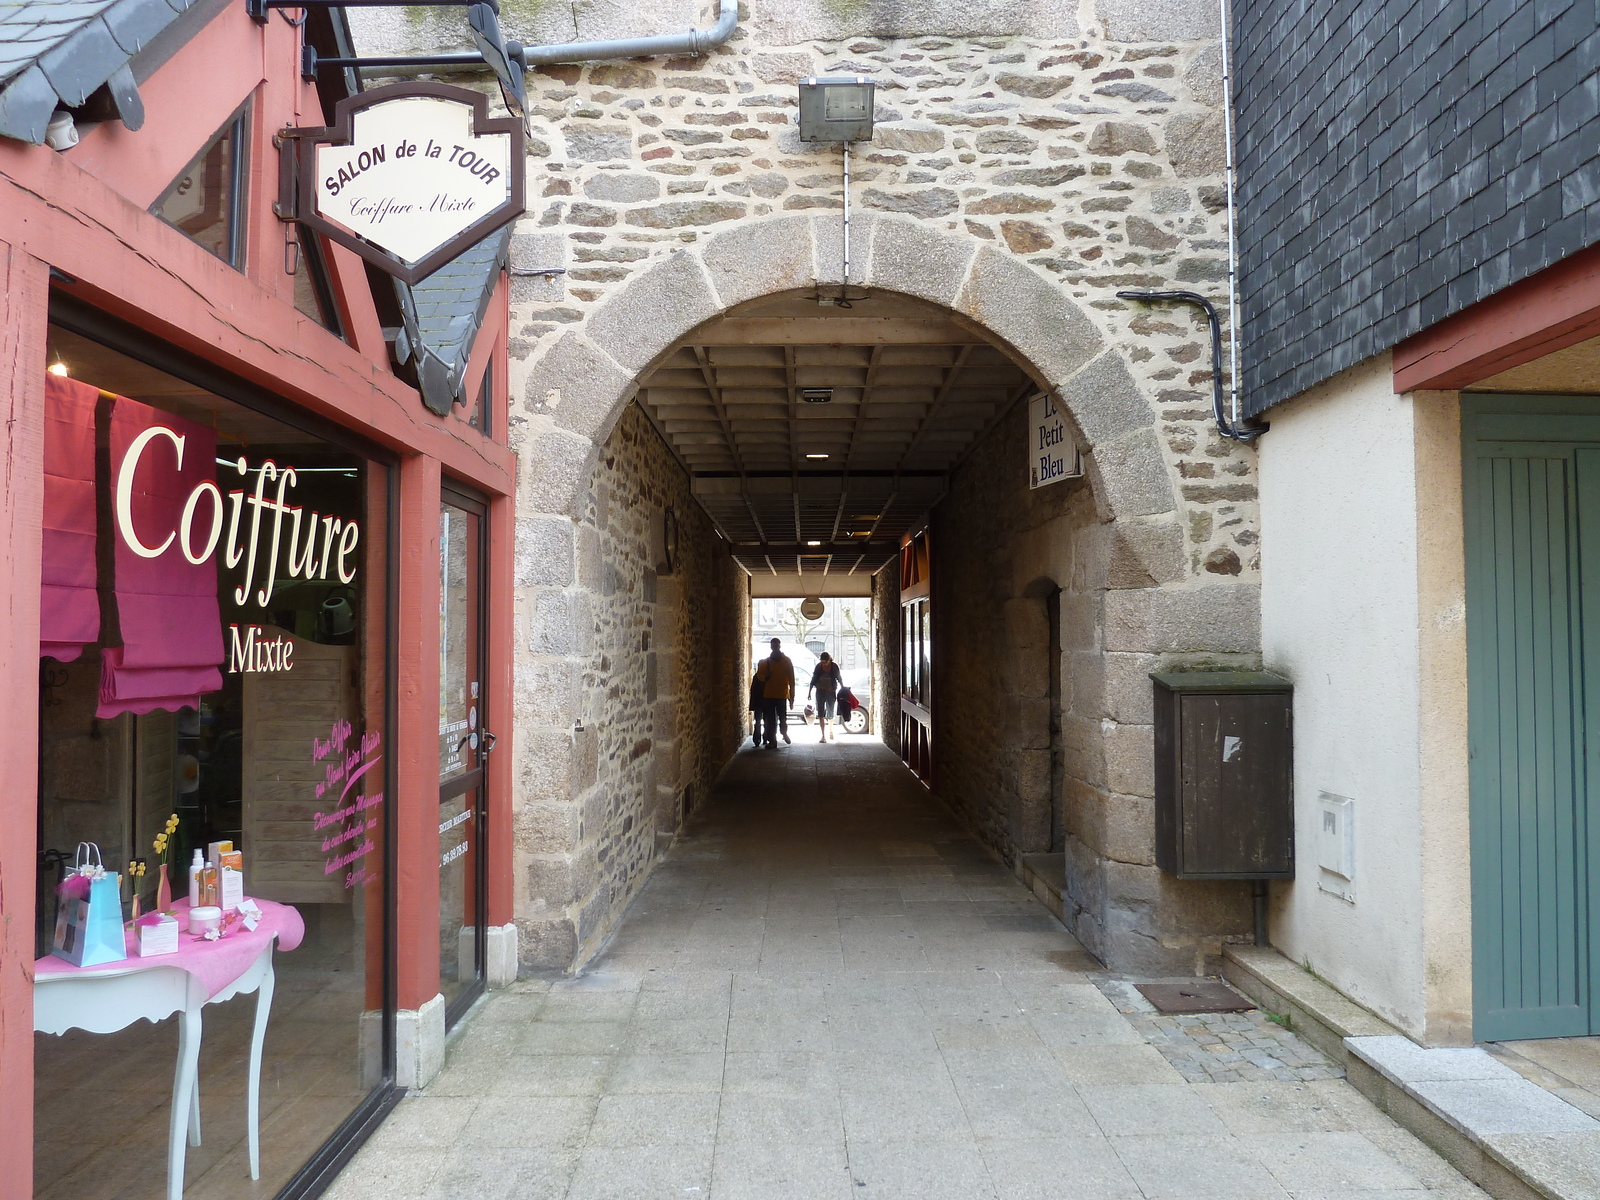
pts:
[826, 682]
[775, 674]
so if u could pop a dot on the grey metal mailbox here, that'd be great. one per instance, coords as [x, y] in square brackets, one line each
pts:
[1224, 761]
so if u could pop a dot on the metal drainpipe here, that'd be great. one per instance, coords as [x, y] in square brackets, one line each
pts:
[1228, 423]
[844, 285]
[1233, 240]
[696, 41]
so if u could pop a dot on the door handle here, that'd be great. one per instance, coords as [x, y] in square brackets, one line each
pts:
[488, 742]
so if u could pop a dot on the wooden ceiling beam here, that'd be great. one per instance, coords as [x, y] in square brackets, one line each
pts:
[727, 431]
[938, 403]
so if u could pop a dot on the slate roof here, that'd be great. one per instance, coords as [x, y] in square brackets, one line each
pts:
[443, 314]
[1400, 161]
[58, 52]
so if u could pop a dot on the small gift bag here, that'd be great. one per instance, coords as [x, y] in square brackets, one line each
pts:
[89, 912]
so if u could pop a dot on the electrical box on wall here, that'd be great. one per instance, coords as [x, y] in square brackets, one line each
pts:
[1224, 755]
[1336, 845]
[836, 108]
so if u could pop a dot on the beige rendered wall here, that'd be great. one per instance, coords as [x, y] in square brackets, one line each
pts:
[1363, 608]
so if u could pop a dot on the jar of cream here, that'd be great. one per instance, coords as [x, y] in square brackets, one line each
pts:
[204, 919]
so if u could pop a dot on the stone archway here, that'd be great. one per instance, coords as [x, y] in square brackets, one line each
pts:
[1143, 603]
[575, 392]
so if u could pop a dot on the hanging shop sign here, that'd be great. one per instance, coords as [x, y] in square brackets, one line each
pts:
[408, 176]
[1052, 454]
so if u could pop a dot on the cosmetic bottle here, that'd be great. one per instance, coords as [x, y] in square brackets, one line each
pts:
[198, 865]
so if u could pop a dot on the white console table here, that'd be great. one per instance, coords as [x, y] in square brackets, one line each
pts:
[106, 999]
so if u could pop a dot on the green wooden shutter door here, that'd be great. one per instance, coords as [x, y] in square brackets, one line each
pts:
[1533, 583]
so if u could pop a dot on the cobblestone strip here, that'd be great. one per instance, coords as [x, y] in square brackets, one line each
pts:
[1247, 1047]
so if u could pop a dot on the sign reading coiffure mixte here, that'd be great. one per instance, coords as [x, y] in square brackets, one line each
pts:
[411, 175]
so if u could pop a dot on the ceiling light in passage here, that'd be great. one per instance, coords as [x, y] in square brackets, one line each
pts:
[816, 456]
[58, 368]
[813, 543]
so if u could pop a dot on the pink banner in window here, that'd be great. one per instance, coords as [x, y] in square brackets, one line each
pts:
[166, 519]
[69, 608]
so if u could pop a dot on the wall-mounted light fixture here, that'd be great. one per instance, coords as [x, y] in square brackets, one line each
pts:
[837, 108]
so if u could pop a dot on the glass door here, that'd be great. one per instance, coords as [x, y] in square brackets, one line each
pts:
[464, 745]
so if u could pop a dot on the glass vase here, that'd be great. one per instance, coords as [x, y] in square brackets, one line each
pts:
[163, 889]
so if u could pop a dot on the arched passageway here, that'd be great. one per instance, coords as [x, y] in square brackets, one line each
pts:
[703, 360]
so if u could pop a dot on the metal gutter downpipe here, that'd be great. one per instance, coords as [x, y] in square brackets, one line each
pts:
[1229, 423]
[1233, 239]
[696, 41]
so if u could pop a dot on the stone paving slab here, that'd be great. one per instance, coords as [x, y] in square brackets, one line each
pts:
[946, 1057]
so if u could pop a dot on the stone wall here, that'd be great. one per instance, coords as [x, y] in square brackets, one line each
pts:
[1086, 143]
[1097, 162]
[643, 664]
[1032, 764]
[1030, 160]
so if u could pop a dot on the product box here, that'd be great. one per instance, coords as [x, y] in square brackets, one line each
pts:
[158, 934]
[231, 882]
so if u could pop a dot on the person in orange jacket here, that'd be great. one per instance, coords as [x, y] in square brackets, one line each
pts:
[775, 674]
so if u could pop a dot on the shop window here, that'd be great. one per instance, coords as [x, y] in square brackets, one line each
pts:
[313, 285]
[214, 666]
[207, 200]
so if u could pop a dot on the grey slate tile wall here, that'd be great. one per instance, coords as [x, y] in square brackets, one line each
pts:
[1400, 160]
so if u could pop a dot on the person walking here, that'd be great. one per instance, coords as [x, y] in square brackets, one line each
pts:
[776, 677]
[758, 708]
[825, 682]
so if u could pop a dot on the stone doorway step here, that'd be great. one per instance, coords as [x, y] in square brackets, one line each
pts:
[1489, 1112]
[1568, 1067]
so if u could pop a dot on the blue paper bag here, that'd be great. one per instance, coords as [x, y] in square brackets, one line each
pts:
[89, 914]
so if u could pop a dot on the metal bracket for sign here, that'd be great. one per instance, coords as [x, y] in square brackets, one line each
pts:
[258, 9]
[311, 62]
[297, 179]
[507, 59]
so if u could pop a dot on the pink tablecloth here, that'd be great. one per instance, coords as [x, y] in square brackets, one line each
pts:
[215, 964]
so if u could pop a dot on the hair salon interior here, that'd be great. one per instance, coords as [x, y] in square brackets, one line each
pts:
[258, 501]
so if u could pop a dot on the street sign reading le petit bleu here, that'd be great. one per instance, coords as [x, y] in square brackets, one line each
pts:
[411, 175]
